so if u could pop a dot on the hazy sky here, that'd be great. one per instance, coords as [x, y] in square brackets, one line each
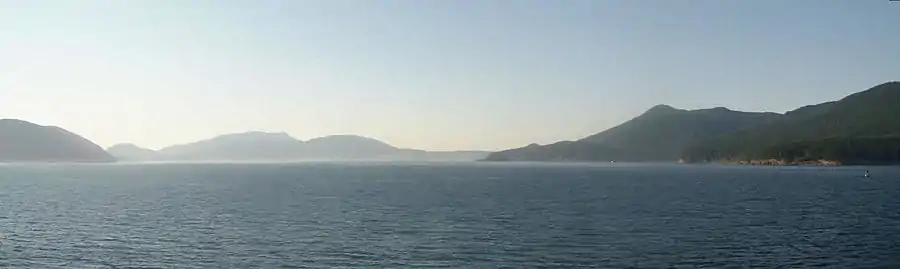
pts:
[441, 74]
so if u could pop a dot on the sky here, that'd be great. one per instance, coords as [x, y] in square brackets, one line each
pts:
[436, 75]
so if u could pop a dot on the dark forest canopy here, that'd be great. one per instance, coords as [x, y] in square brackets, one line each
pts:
[860, 128]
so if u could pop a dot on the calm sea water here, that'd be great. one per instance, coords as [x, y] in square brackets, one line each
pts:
[321, 215]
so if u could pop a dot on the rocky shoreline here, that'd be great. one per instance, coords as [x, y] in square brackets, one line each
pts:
[778, 162]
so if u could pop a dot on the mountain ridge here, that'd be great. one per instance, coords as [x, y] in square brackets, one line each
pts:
[859, 117]
[665, 133]
[658, 134]
[280, 146]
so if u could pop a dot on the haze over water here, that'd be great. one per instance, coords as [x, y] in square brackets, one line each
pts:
[444, 75]
[432, 75]
[419, 215]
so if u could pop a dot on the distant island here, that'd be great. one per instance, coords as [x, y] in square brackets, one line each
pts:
[22, 141]
[863, 128]
[263, 146]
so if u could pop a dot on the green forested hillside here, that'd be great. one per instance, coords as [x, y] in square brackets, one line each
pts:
[860, 128]
[843, 130]
[660, 134]
[846, 150]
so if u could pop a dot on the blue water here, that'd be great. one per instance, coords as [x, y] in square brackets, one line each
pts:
[321, 215]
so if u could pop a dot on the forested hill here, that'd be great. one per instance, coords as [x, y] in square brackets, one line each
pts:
[862, 128]
[660, 134]
[858, 129]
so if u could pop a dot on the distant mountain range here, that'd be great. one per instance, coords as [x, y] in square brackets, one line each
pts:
[22, 141]
[262, 146]
[861, 128]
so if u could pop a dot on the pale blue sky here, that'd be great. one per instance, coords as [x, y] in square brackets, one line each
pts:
[438, 74]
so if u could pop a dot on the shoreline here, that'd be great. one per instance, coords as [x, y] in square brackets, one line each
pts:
[777, 162]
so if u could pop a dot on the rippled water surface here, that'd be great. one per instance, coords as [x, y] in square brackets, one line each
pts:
[320, 215]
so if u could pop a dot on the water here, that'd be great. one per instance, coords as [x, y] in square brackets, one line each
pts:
[319, 215]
